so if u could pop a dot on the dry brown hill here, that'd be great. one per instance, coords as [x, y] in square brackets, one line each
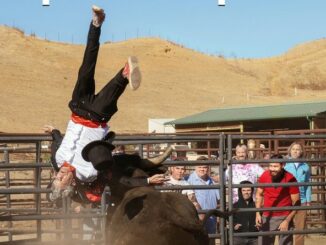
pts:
[37, 78]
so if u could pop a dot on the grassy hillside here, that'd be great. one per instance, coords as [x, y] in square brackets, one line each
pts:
[37, 78]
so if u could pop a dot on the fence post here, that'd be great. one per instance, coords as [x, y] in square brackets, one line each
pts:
[230, 182]
[8, 196]
[222, 186]
[104, 203]
[66, 201]
[141, 150]
[37, 174]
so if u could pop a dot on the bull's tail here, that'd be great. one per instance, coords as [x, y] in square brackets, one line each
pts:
[218, 213]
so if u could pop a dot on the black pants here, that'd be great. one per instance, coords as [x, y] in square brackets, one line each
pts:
[85, 103]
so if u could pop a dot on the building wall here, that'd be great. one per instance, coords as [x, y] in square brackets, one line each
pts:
[157, 125]
[254, 126]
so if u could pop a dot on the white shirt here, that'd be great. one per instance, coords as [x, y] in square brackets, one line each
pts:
[76, 138]
[175, 182]
[240, 172]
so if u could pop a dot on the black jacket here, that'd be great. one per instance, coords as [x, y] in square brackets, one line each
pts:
[246, 219]
[57, 139]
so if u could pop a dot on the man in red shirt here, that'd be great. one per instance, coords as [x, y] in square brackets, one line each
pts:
[276, 197]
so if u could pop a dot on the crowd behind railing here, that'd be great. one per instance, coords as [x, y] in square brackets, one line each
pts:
[270, 194]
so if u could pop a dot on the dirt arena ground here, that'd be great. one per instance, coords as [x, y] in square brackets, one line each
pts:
[315, 240]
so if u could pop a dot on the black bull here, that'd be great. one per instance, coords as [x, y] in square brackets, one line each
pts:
[142, 215]
[146, 216]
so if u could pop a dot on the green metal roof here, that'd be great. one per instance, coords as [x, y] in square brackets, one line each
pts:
[251, 113]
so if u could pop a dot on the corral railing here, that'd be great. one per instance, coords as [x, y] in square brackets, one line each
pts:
[316, 212]
[25, 172]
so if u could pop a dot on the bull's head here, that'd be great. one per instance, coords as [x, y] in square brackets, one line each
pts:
[130, 171]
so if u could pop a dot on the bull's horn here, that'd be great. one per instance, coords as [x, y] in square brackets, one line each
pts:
[155, 161]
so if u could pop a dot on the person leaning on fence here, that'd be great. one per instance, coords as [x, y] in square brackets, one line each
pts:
[265, 155]
[301, 171]
[245, 221]
[209, 198]
[242, 171]
[176, 178]
[272, 196]
[119, 149]
[90, 111]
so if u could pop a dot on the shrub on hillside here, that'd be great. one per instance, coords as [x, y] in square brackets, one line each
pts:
[312, 78]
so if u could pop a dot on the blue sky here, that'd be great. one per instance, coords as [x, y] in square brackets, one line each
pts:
[243, 28]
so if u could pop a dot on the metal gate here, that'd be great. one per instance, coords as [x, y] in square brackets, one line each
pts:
[25, 172]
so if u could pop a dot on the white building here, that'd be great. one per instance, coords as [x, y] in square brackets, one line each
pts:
[157, 125]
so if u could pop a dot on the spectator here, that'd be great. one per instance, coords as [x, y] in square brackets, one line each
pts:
[207, 199]
[214, 174]
[245, 221]
[176, 178]
[301, 171]
[267, 197]
[242, 171]
[264, 153]
[251, 146]
[119, 149]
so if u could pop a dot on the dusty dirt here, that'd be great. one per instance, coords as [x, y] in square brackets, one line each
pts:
[37, 78]
[315, 240]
